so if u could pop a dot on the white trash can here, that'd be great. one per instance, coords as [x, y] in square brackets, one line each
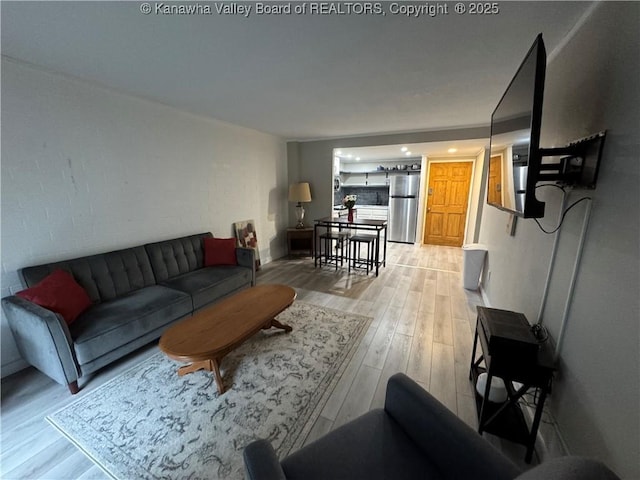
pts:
[473, 259]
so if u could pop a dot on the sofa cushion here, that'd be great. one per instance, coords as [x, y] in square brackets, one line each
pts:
[60, 293]
[387, 453]
[104, 276]
[178, 256]
[107, 326]
[211, 283]
[219, 251]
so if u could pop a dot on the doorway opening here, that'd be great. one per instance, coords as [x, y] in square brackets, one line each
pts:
[366, 172]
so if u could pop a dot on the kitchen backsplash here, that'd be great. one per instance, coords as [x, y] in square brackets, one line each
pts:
[366, 195]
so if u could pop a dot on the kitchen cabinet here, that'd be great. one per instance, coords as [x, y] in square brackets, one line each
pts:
[374, 212]
[368, 212]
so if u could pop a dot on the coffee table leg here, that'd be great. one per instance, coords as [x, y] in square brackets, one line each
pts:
[210, 365]
[194, 367]
[276, 324]
[215, 364]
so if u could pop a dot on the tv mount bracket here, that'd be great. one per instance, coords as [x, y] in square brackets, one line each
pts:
[579, 164]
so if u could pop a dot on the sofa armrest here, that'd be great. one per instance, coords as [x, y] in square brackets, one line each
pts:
[261, 462]
[450, 443]
[569, 468]
[247, 258]
[43, 339]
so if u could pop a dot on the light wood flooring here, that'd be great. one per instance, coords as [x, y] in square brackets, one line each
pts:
[423, 321]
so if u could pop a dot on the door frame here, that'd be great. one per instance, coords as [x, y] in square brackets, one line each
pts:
[425, 192]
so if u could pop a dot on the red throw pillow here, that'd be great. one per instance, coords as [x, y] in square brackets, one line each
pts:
[219, 251]
[60, 293]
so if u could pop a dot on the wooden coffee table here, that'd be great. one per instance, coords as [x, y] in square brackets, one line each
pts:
[210, 334]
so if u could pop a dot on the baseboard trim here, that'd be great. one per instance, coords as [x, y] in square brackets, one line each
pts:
[549, 441]
[12, 367]
[485, 297]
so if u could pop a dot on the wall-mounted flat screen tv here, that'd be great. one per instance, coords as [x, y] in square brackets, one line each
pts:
[515, 157]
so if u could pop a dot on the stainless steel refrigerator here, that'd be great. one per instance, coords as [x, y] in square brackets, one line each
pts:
[403, 208]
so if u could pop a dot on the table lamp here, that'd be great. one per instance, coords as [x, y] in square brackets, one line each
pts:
[299, 192]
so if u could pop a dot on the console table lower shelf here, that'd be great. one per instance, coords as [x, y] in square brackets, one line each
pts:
[505, 420]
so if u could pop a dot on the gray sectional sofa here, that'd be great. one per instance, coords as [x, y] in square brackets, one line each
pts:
[136, 294]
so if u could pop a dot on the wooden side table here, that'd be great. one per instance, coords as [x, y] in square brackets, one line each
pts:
[534, 370]
[300, 241]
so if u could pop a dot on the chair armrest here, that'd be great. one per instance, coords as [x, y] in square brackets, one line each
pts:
[451, 444]
[246, 258]
[261, 462]
[43, 339]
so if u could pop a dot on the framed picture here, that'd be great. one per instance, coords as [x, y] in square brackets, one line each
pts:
[247, 237]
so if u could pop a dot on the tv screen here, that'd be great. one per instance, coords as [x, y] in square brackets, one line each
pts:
[515, 156]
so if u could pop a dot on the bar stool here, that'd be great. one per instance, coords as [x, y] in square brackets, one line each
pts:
[333, 253]
[355, 260]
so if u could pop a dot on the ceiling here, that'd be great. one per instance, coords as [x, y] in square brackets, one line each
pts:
[412, 151]
[296, 76]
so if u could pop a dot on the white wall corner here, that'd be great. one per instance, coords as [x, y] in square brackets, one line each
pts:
[13, 366]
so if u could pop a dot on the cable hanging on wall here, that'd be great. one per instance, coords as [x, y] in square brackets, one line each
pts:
[549, 232]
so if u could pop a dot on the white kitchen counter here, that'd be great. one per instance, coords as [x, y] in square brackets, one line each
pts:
[377, 207]
[371, 212]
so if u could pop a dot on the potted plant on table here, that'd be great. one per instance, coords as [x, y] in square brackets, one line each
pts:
[349, 201]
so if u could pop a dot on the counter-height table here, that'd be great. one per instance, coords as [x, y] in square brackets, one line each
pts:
[379, 227]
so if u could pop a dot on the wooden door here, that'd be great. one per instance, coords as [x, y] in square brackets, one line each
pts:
[447, 202]
[494, 194]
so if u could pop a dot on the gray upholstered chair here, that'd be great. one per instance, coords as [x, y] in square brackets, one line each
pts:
[413, 437]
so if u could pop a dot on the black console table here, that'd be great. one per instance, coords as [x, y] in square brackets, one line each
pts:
[510, 351]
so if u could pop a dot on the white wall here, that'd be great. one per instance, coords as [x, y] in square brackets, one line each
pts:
[87, 170]
[591, 85]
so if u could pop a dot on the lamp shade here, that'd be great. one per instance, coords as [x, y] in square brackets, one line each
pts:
[299, 192]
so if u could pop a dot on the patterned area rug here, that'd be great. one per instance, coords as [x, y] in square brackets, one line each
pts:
[148, 423]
